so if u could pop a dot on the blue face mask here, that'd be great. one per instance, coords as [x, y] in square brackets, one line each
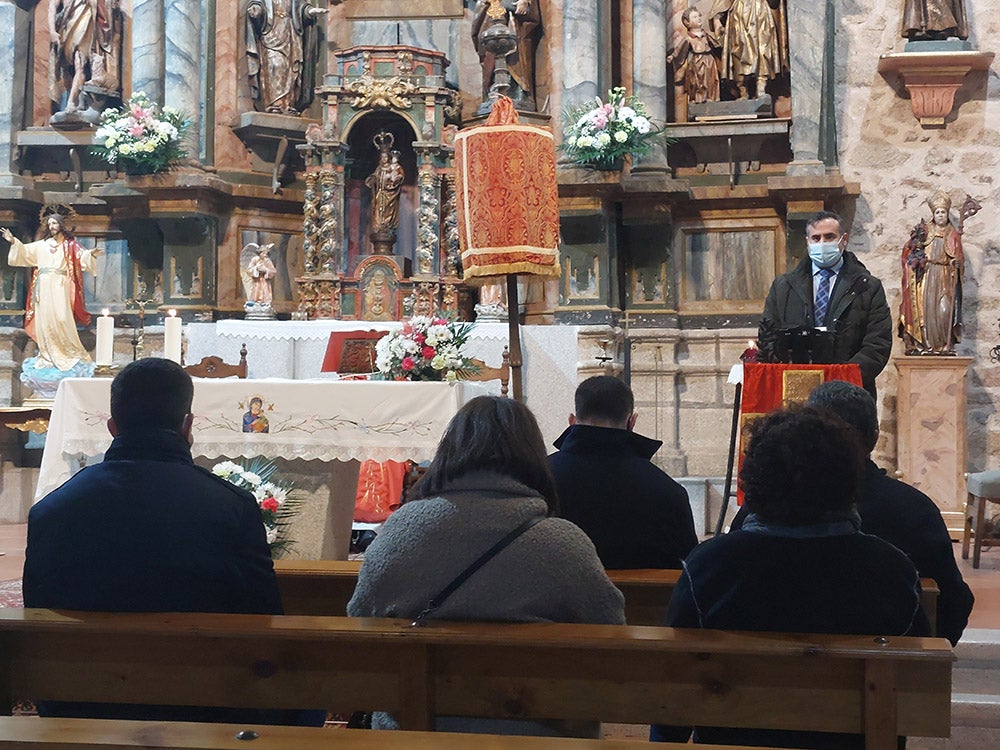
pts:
[825, 254]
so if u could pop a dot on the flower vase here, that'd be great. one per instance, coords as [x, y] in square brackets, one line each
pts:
[614, 165]
[137, 168]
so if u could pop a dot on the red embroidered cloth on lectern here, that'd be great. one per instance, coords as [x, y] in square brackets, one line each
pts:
[508, 197]
[767, 387]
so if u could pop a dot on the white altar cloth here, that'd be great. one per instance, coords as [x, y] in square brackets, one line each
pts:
[319, 420]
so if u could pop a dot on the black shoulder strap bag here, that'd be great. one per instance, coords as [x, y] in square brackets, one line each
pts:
[438, 600]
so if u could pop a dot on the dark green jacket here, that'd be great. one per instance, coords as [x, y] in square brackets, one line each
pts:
[858, 314]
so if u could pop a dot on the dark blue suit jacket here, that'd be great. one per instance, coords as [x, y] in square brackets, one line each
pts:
[148, 531]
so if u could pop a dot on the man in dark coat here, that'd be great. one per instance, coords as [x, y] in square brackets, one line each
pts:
[902, 515]
[636, 515]
[148, 531]
[856, 311]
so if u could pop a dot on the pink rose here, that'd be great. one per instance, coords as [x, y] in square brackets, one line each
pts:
[269, 503]
[419, 338]
[428, 352]
[408, 364]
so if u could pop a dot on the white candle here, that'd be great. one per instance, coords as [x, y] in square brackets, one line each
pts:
[172, 337]
[105, 338]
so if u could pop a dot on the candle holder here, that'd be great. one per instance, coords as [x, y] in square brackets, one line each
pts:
[106, 371]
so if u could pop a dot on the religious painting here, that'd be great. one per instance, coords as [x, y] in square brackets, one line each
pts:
[648, 282]
[728, 266]
[254, 419]
[286, 255]
[583, 255]
[378, 289]
[107, 287]
[189, 260]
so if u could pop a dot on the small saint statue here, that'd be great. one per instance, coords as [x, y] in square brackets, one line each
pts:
[694, 60]
[282, 48]
[259, 272]
[753, 50]
[930, 313]
[385, 183]
[926, 20]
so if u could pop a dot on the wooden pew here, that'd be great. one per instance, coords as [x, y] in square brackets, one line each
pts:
[32, 733]
[323, 587]
[880, 687]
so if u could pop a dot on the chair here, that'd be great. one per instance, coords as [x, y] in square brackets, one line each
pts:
[484, 373]
[983, 488]
[214, 367]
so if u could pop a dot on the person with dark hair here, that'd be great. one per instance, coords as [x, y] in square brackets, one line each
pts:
[488, 489]
[831, 290]
[902, 515]
[636, 515]
[148, 531]
[800, 563]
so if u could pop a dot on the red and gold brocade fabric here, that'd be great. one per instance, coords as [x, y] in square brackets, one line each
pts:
[380, 490]
[508, 198]
[767, 387]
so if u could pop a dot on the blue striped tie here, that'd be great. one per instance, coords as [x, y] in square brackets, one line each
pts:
[822, 296]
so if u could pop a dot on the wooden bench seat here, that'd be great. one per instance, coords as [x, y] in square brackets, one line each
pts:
[32, 733]
[323, 587]
[879, 687]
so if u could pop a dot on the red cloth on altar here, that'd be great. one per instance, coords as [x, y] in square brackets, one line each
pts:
[380, 490]
[508, 197]
[767, 387]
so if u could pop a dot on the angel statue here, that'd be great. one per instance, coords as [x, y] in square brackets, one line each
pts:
[258, 272]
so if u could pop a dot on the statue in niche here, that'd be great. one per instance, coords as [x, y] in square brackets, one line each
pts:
[525, 19]
[930, 314]
[85, 57]
[934, 19]
[282, 52]
[754, 42]
[694, 60]
[260, 271]
[385, 183]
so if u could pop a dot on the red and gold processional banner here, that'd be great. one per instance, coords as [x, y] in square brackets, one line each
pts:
[508, 213]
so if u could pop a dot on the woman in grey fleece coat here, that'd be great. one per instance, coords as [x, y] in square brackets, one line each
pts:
[490, 474]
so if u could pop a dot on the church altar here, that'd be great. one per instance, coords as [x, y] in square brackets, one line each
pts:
[294, 349]
[338, 422]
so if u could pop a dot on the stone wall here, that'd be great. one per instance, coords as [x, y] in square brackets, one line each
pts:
[899, 164]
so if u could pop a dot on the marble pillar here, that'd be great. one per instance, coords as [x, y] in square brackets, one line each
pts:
[811, 49]
[183, 57]
[148, 50]
[649, 73]
[15, 26]
[581, 72]
[428, 214]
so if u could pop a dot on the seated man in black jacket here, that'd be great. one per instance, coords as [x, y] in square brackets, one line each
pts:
[636, 515]
[148, 531]
[902, 515]
[800, 563]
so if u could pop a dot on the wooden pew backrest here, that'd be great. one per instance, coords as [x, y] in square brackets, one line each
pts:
[635, 675]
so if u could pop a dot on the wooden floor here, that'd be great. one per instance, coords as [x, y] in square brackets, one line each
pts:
[985, 582]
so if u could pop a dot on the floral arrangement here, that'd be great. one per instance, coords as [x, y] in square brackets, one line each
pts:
[608, 132]
[426, 348]
[140, 137]
[277, 500]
